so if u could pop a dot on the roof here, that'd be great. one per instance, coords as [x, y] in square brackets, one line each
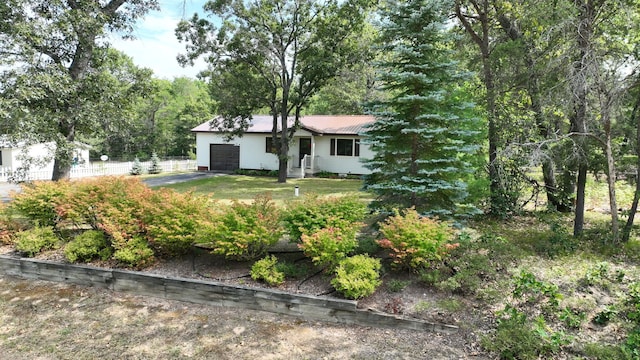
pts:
[319, 124]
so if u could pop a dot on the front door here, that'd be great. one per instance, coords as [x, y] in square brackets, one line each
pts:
[305, 148]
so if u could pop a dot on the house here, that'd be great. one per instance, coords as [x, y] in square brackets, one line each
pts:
[14, 155]
[329, 143]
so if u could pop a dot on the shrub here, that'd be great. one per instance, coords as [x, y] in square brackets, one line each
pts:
[136, 168]
[517, 337]
[89, 245]
[416, 242]
[155, 167]
[37, 201]
[266, 270]
[135, 253]
[9, 225]
[172, 221]
[328, 246]
[33, 241]
[314, 213]
[244, 231]
[357, 276]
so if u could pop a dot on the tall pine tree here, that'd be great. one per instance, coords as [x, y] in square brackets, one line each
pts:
[425, 131]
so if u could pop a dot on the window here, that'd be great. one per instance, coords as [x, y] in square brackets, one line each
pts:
[270, 147]
[345, 147]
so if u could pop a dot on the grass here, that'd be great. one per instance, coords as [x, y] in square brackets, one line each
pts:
[245, 188]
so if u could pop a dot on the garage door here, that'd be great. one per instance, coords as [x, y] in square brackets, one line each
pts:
[224, 157]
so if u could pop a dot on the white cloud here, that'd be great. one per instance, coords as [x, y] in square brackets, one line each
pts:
[155, 45]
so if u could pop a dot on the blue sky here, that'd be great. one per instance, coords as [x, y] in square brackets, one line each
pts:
[155, 45]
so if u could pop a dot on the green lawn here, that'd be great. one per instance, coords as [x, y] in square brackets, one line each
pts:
[245, 188]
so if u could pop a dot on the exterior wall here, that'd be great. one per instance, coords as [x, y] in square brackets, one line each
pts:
[324, 161]
[254, 156]
[252, 150]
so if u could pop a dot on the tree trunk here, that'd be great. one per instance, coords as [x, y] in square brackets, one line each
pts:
[581, 92]
[62, 159]
[626, 231]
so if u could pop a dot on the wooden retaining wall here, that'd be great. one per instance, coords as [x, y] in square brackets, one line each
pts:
[213, 293]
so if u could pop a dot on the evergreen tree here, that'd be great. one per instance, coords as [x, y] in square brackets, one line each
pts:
[155, 167]
[425, 131]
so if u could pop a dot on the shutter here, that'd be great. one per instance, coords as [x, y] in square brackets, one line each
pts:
[333, 147]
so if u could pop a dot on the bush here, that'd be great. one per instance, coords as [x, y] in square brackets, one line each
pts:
[38, 201]
[267, 270]
[173, 221]
[136, 168]
[416, 242]
[244, 231]
[9, 226]
[88, 246]
[135, 253]
[33, 241]
[357, 276]
[328, 246]
[314, 213]
[155, 167]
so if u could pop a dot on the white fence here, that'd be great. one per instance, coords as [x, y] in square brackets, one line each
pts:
[102, 169]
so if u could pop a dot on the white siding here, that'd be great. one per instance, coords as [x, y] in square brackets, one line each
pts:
[339, 164]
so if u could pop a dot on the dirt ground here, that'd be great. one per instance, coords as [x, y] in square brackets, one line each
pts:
[42, 320]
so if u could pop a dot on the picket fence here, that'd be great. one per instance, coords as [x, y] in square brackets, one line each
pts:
[102, 169]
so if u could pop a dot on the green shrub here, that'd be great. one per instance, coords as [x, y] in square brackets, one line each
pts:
[267, 270]
[314, 213]
[416, 242]
[87, 246]
[9, 225]
[397, 285]
[357, 276]
[244, 231]
[518, 337]
[534, 290]
[33, 241]
[155, 167]
[135, 253]
[292, 270]
[38, 201]
[136, 169]
[328, 246]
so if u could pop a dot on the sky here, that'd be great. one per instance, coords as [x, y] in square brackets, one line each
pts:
[155, 45]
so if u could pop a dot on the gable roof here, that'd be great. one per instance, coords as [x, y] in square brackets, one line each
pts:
[317, 124]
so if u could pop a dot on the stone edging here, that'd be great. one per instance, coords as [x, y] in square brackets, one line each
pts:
[213, 293]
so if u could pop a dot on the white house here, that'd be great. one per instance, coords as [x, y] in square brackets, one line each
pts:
[12, 156]
[329, 143]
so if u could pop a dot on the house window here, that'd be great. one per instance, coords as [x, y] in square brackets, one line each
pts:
[345, 147]
[270, 146]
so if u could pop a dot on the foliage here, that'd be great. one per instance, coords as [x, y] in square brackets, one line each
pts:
[267, 270]
[416, 242]
[328, 246]
[397, 285]
[518, 337]
[426, 132]
[69, 83]
[314, 213]
[87, 246]
[244, 231]
[155, 167]
[38, 200]
[526, 285]
[33, 241]
[9, 225]
[135, 253]
[357, 276]
[173, 221]
[136, 168]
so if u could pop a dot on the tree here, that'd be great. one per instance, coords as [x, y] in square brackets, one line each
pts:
[273, 55]
[426, 131]
[52, 52]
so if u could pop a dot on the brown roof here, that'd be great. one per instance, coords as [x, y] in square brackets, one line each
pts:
[320, 124]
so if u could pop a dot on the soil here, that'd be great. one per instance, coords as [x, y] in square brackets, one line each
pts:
[41, 320]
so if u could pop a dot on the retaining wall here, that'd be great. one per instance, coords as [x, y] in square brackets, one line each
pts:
[213, 293]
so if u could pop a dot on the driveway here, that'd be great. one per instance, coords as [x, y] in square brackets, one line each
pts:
[6, 188]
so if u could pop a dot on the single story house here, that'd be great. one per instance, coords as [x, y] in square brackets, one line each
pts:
[12, 155]
[329, 143]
